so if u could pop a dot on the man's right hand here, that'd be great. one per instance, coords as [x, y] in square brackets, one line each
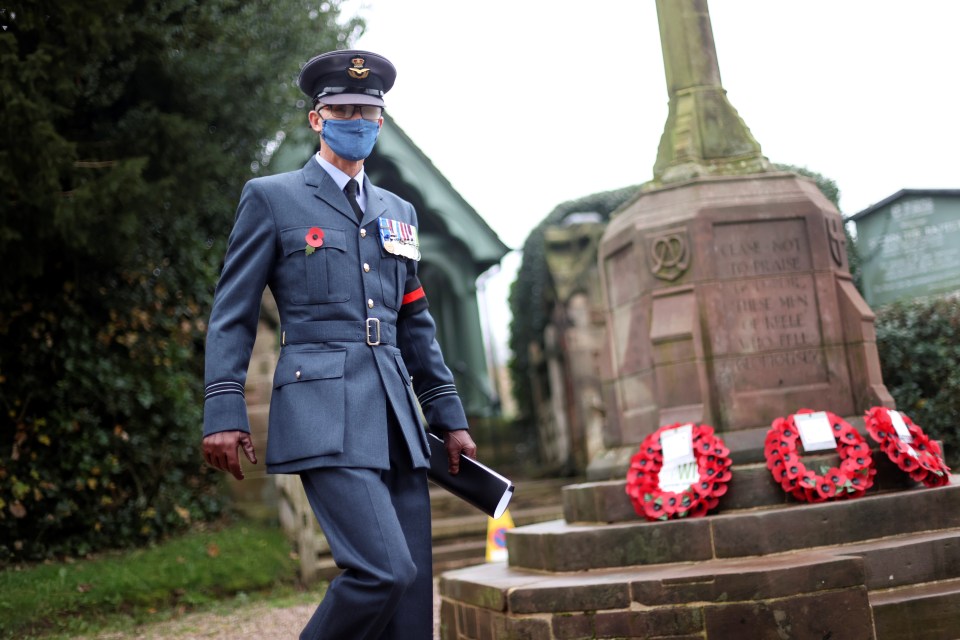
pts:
[220, 451]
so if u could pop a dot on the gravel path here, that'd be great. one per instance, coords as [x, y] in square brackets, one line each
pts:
[255, 622]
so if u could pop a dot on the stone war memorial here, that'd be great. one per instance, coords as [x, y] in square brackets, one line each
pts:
[729, 304]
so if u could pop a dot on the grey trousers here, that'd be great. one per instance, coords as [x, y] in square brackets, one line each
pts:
[377, 524]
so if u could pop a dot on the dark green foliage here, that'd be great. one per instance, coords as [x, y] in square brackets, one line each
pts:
[128, 132]
[919, 347]
[530, 293]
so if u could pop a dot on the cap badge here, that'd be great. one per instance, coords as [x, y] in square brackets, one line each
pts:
[358, 72]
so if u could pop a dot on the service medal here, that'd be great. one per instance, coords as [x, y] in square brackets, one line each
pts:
[399, 238]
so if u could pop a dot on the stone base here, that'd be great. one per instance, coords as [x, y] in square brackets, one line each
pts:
[885, 566]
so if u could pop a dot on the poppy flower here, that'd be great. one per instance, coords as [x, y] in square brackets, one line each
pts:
[654, 509]
[808, 480]
[793, 470]
[826, 488]
[861, 448]
[919, 474]
[314, 238]
[836, 476]
[850, 436]
[851, 464]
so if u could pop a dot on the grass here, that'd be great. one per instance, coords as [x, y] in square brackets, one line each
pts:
[223, 568]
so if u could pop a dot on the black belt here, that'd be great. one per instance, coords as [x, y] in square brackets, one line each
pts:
[371, 331]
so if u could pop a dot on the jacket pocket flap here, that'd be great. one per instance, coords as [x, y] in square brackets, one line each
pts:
[295, 239]
[302, 366]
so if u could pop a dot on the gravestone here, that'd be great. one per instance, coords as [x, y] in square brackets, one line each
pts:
[728, 294]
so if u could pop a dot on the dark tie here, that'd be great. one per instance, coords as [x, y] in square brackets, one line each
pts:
[351, 191]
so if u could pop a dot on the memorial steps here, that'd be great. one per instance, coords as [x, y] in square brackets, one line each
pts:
[884, 566]
[460, 530]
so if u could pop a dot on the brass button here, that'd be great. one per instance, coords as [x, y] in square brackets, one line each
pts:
[363, 233]
[366, 267]
[370, 303]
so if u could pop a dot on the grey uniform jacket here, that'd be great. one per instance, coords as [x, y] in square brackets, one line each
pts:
[332, 388]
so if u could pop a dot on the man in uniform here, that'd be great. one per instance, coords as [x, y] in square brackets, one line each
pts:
[359, 358]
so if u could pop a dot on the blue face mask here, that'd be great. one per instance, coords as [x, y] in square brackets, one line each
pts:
[350, 139]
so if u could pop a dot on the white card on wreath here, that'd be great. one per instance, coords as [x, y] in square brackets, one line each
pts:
[896, 419]
[678, 477]
[677, 445]
[816, 434]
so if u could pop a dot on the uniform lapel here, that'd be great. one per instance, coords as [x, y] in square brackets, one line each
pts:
[326, 189]
[376, 206]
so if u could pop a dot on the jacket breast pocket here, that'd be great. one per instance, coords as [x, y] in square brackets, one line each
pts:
[324, 272]
[307, 409]
[393, 275]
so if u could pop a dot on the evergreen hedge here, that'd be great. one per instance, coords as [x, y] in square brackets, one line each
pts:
[129, 128]
[919, 346]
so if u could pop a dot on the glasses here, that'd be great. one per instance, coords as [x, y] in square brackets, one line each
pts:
[346, 111]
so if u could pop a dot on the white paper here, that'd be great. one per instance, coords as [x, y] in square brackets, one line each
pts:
[678, 478]
[816, 434]
[900, 426]
[677, 445]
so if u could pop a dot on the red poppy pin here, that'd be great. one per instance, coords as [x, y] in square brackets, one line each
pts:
[314, 239]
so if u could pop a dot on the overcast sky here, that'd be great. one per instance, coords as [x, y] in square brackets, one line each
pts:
[525, 104]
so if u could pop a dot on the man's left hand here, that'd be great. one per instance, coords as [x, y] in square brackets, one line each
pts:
[457, 442]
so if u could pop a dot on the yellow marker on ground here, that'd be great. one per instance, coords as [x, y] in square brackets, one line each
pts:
[497, 537]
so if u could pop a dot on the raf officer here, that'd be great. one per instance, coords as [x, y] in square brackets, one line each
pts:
[359, 357]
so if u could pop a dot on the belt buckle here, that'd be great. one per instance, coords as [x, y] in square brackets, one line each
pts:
[373, 322]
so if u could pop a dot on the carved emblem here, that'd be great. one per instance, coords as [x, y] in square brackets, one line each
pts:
[669, 254]
[357, 71]
[838, 240]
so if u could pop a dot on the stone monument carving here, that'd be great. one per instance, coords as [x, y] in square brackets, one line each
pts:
[728, 294]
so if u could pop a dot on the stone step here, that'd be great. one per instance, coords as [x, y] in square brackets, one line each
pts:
[446, 557]
[460, 530]
[458, 553]
[900, 561]
[928, 611]
[561, 546]
[528, 493]
[751, 486]
[476, 523]
[726, 598]
[720, 598]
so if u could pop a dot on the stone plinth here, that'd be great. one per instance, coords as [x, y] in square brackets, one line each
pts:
[885, 567]
[730, 303]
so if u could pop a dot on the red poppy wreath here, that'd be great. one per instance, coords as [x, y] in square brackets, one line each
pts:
[921, 457]
[850, 479]
[709, 475]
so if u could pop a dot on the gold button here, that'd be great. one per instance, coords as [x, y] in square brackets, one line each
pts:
[363, 233]
[366, 267]
[370, 304]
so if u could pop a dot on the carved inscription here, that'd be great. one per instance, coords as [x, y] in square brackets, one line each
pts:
[760, 248]
[767, 314]
[766, 329]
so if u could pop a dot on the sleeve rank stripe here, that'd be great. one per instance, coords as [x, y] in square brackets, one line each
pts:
[436, 392]
[218, 388]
